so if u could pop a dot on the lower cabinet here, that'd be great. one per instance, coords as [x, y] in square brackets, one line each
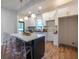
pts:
[39, 48]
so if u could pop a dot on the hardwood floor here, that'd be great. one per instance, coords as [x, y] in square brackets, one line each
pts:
[52, 52]
[62, 52]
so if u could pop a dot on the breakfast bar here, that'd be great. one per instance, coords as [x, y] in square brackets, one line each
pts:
[36, 41]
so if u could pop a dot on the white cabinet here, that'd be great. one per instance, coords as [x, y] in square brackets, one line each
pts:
[55, 38]
[68, 10]
[51, 26]
[50, 33]
[49, 36]
[62, 12]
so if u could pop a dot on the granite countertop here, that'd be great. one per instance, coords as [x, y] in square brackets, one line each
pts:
[26, 38]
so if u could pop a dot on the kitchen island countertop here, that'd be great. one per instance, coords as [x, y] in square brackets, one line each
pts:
[26, 38]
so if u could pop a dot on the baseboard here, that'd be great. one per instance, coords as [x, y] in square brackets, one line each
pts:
[49, 41]
[65, 45]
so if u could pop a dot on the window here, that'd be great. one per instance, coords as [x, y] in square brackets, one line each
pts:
[21, 26]
[39, 24]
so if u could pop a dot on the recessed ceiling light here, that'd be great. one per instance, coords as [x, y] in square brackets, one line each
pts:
[25, 18]
[40, 8]
[29, 12]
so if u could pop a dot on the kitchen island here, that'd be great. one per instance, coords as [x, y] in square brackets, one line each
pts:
[36, 41]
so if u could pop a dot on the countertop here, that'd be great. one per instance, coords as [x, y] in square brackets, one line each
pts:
[33, 36]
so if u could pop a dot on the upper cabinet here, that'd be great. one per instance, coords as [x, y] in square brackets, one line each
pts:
[65, 10]
[49, 15]
[68, 10]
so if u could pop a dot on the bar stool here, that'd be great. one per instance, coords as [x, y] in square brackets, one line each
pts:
[5, 39]
[28, 49]
[20, 49]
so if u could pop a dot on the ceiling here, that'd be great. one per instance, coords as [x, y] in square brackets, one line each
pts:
[32, 5]
[17, 5]
[47, 5]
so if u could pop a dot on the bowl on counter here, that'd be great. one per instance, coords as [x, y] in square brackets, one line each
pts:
[27, 33]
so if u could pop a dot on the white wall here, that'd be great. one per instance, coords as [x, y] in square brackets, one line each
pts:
[8, 21]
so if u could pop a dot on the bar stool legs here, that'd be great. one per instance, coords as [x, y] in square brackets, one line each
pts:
[4, 49]
[28, 49]
[31, 54]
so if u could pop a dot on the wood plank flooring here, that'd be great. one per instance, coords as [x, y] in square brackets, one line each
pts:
[52, 52]
[62, 52]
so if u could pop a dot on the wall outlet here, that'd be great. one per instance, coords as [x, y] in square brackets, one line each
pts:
[73, 43]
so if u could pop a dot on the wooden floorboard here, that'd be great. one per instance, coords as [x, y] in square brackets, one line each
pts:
[62, 52]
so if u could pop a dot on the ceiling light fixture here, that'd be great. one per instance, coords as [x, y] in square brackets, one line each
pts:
[21, 19]
[20, 3]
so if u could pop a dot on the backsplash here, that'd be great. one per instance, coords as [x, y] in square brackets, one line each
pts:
[33, 29]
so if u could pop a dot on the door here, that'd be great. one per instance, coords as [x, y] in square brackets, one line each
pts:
[68, 30]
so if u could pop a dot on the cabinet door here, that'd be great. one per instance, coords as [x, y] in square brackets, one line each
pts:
[62, 12]
[51, 25]
[51, 29]
[39, 48]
